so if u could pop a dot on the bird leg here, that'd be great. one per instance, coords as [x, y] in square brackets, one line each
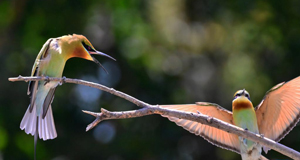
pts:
[47, 80]
[63, 80]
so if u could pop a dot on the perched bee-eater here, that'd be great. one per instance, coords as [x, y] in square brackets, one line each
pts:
[275, 116]
[51, 60]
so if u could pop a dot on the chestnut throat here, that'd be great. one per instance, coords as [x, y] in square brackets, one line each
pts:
[241, 104]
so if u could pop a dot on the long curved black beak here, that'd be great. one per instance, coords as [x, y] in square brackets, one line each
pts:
[101, 54]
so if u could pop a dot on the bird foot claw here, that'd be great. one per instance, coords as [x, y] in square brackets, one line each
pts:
[262, 135]
[63, 80]
[47, 80]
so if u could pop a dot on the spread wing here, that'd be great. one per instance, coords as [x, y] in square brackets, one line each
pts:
[32, 85]
[279, 111]
[213, 135]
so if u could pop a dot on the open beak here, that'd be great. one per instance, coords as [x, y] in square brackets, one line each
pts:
[102, 54]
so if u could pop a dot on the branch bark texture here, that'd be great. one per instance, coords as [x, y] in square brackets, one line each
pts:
[148, 109]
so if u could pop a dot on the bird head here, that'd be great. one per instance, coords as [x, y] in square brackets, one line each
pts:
[241, 93]
[241, 99]
[79, 46]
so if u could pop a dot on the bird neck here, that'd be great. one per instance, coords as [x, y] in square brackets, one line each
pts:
[241, 103]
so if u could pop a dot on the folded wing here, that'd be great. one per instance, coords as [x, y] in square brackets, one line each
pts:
[33, 85]
[213, 135]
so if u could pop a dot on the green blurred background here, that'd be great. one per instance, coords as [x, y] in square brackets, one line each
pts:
[167, 51]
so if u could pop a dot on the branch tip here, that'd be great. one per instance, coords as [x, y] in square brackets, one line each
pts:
[90, 113]
[104, 110]
[93, 124]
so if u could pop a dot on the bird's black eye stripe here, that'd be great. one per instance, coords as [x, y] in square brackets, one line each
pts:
[236, 96]
[87, 47]
[248, 96]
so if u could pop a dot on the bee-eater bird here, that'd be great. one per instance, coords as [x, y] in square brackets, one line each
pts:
[275, 116]
[38, 119]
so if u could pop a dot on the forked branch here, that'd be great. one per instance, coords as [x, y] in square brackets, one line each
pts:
[148, 109]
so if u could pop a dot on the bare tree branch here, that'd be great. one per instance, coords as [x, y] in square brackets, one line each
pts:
[151, 109]
[82, 82]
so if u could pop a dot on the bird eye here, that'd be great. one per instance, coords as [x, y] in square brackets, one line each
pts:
[248, 96]
[236, 96]
[87, 47]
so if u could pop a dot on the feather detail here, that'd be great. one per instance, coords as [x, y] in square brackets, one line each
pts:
[46, 126]
[213, 135]
[279, 111]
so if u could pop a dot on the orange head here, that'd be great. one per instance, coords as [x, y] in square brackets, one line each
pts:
[241, 100]
[79, 46]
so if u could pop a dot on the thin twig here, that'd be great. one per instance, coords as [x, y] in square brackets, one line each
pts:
[150, 109]
[86, 83]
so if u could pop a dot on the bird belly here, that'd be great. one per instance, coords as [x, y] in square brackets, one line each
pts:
[246, 119]
[43, 90]
[250, 154]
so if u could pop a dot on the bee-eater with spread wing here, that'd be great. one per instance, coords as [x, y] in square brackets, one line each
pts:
[38, 119]
[275, 116]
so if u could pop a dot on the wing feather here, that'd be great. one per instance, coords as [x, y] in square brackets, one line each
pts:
[48, 101]
[32, 85]
[213, 135]
[279, 111]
